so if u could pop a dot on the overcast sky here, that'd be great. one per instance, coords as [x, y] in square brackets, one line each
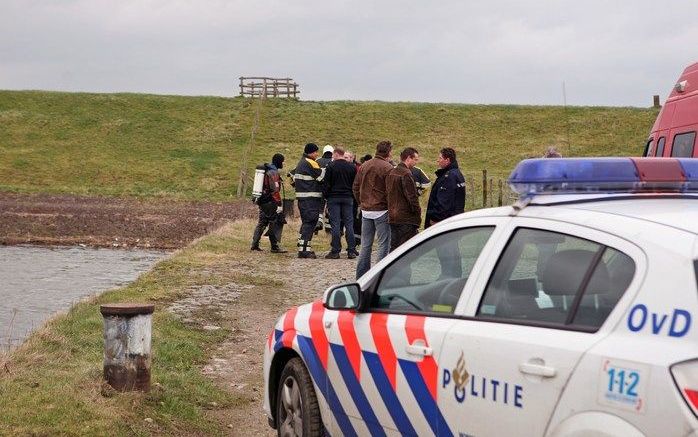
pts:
[615, 53]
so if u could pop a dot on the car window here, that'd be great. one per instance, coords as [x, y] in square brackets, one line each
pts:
[683, 145]
[660, 146]
[606, 286]
[346, 296]
[430, 277]
[649, 148]
[555, 278]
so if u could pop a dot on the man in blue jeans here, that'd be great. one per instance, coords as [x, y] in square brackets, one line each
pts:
[339, 179]
[369, 190]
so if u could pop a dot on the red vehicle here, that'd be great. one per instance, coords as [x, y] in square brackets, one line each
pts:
[674, 131]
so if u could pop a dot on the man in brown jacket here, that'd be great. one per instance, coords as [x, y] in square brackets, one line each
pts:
[369, 191]
[404, 212]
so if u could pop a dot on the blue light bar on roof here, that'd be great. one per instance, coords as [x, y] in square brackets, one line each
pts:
[611, 175]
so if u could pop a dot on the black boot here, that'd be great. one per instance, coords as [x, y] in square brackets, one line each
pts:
[305, 250]
[307, 254]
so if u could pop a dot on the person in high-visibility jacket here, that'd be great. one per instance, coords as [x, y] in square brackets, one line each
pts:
[421, 180]
[307, 179]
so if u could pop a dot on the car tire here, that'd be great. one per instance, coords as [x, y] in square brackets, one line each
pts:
[297, 409]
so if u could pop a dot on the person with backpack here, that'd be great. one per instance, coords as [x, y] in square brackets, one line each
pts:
[270, 206]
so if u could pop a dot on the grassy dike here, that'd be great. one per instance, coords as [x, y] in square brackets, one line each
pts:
[193, 147]
[52, 384]
[190, 148]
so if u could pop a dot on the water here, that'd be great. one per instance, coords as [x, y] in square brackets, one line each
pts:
[38, 282]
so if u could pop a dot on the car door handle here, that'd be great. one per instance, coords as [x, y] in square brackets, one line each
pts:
[419, 348]
[537, 369]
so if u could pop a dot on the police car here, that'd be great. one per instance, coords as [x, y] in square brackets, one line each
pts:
[569, 313]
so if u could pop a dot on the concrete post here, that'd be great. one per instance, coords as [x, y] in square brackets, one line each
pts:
[127, 336]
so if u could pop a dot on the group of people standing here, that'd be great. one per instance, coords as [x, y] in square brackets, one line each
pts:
[385, 193]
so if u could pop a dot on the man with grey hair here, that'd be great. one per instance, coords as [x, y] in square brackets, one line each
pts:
[552, 152]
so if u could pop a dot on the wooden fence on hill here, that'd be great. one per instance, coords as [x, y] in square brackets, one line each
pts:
[486, 191]
[267, 87]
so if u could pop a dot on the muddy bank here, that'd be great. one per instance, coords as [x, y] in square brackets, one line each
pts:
[111, 222]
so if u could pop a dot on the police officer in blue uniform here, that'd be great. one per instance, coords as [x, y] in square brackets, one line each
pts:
[447, 197]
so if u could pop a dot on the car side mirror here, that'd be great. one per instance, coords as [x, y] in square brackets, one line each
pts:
[343, 297]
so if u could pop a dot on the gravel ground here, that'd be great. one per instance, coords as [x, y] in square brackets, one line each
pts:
[249, 312]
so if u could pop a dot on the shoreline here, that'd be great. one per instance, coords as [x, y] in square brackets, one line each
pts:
[214, 308]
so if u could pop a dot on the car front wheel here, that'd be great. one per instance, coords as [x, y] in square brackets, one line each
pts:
[297, 410]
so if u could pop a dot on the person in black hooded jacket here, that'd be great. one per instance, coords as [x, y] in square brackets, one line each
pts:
[447, 197]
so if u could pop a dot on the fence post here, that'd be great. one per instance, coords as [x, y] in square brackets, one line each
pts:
[484, 188]
[499, 199]
[472, 191]
[127, 337]
[656, 101]
[491, 192]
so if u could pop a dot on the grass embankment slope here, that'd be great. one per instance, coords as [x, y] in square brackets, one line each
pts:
[193, 147]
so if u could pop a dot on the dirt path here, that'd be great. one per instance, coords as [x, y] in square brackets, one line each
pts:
[283, 281]
[238, 364]
[111, 222]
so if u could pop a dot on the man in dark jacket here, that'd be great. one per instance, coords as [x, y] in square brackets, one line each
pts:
[447, 197]
[278, 226]
[270, 206]
[404, 212]
[369, 190]
[324, 161]
[338, 182]
[308, 177]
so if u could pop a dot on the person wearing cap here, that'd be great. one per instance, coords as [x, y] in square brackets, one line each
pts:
[324, 161]
[326, 158]
[308, 177]
[270, 206]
